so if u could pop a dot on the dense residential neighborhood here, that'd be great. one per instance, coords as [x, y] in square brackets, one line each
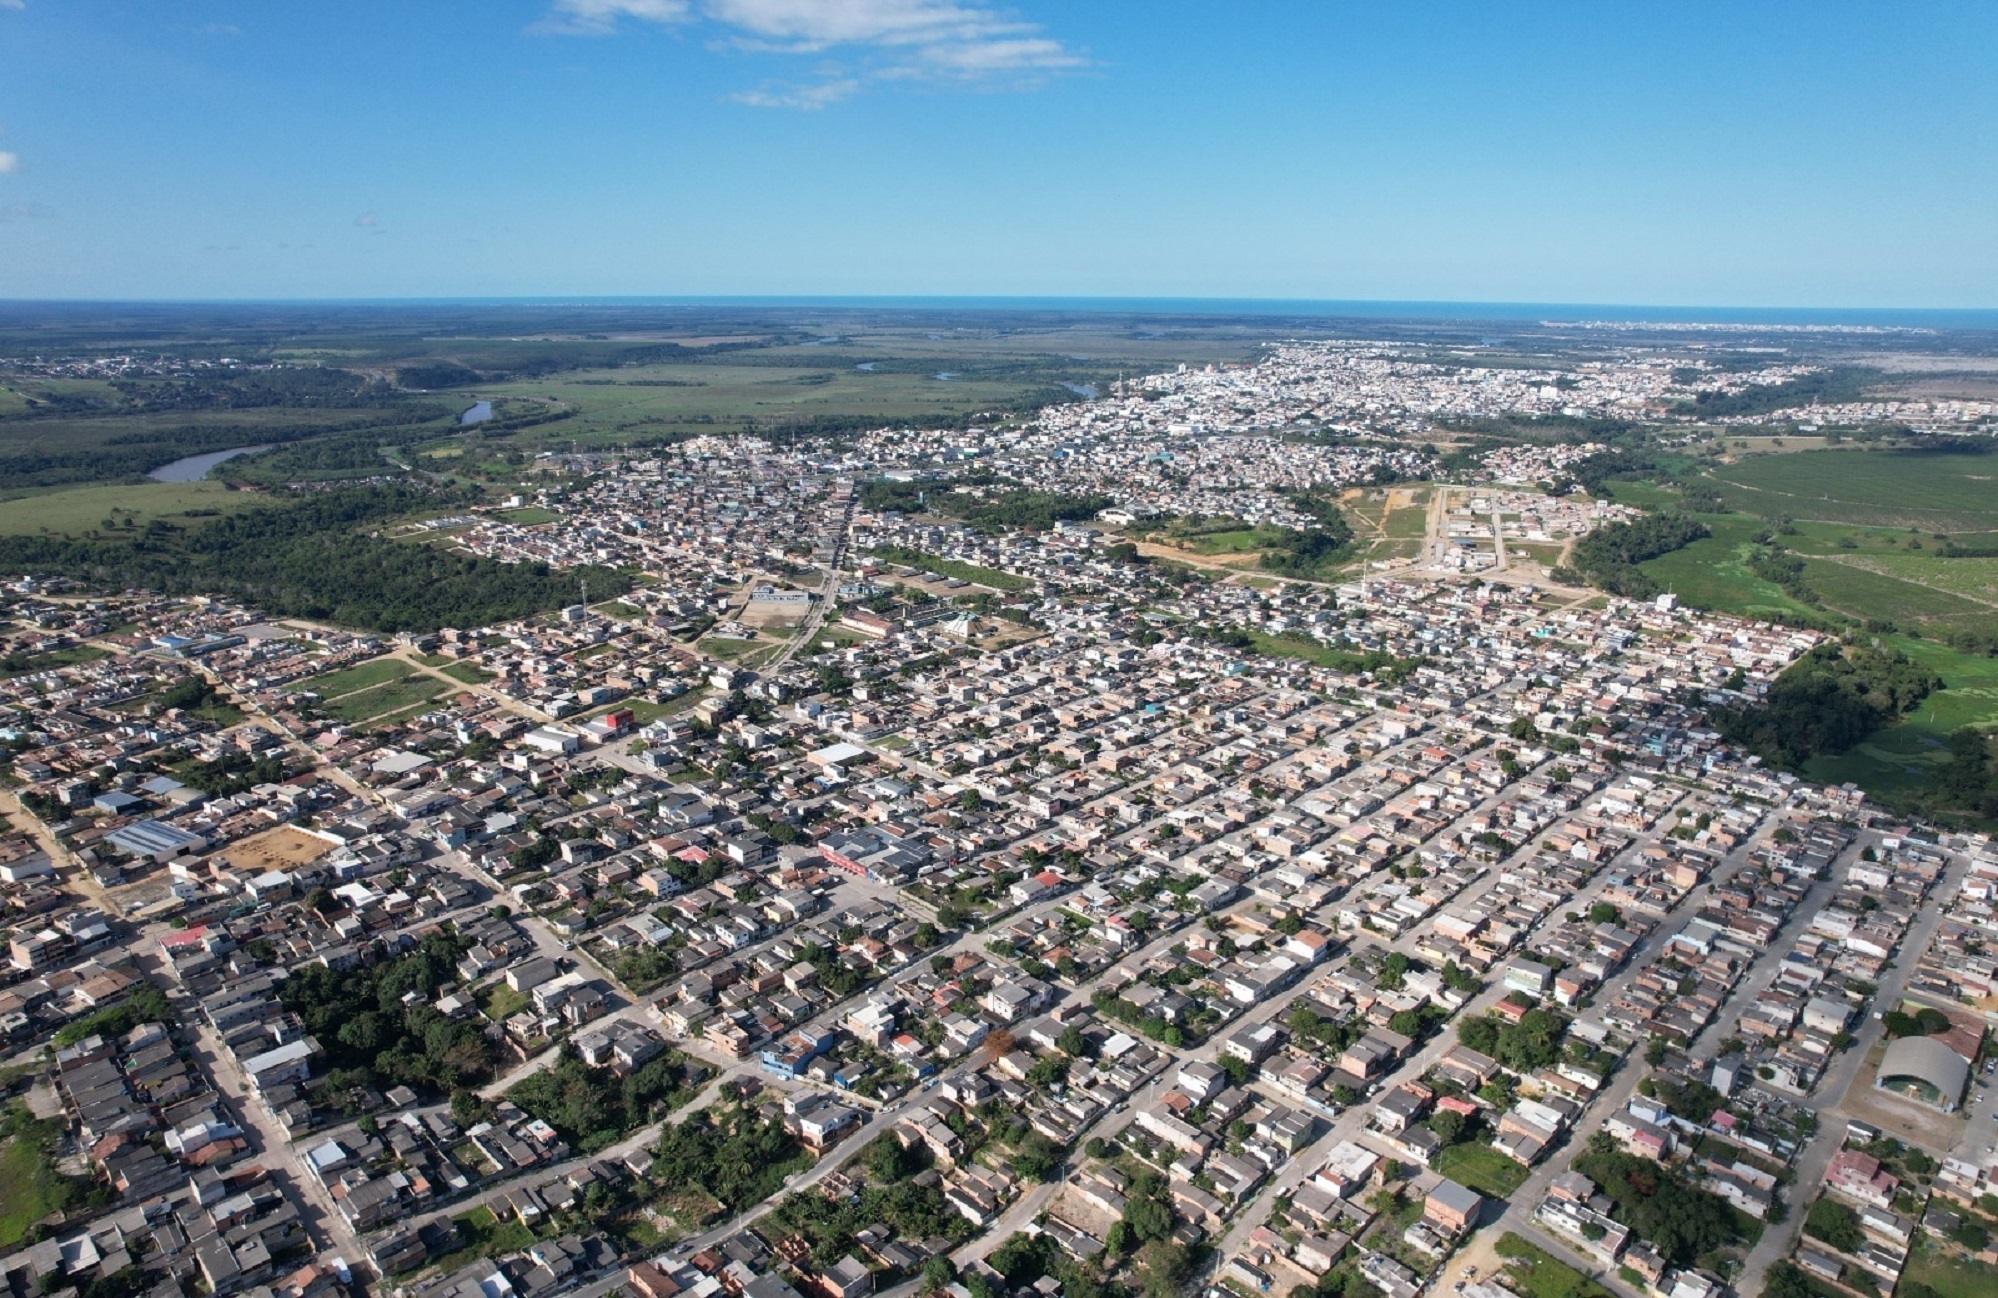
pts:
[900, 891]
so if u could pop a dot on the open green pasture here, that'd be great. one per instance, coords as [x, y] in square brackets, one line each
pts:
[1931, 490]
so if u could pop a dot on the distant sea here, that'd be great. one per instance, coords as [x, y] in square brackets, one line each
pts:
[1565, 312]
[1246, 309]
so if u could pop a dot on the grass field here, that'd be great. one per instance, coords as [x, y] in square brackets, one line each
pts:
[1949, 1276]
[528, 516]
[406, 692]
[468, 672]
[485, 1236]
[971, 572]
[1539, 1274]
[1302, 647]
[499, 1002]
[376, 671]
[1931, 490]
[81, 653]
[1235, 540]
[720, 397]
[1901, 756]
[30, 1187]
[75, 510]
[1713, 573]
[1861, 593]
[1973, 579]
[1409, 522]
[1862, 561]
[1482, 1168]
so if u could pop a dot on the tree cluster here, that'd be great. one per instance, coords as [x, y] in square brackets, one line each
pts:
[310, 558]
[1607, 558]
[1680, 1220]
[1828, 701]
[1533, 1042]
[596, 1107]
[359, 1018]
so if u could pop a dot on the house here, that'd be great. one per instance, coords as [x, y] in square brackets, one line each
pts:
[1451, 1208]
[847, 1278]
[1530, 977]
[1857, 1175]
[529, 974]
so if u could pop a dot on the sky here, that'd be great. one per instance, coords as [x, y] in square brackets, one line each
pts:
[1745, 152]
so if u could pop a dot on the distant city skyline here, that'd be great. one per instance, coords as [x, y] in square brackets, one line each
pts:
[1830, 155]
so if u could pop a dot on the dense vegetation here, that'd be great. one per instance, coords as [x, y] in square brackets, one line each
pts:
[1827, 701]
[147, 448]
[889, 1194]
[1683, 1222]
[1788, 1280]
[1607, 558]
[1305, 552]
[1838, 384]
[1835, 1224]
[1969, 780]
[146, 1004]
[1532, 1043]
[594, 1108]
[310, 558]
[1019, 507]
[736, 1155]
[437, 374]
[368, 1034]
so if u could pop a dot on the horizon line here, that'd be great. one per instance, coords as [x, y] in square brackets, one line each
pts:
[1510, 311]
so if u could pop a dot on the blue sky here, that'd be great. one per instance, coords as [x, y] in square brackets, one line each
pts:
[1746, 153]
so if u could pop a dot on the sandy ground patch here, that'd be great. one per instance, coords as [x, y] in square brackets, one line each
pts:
[765, 616]
[275, 849]
[1896, 1115]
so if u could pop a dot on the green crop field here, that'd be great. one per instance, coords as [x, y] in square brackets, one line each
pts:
[75, 510]
[614, 405]
[1931, 490]
[1860, 593]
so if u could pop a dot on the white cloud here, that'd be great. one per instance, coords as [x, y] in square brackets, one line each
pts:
[887, 40]
[809, 98]
[600, 17]
[9, 162]
[365, 219]
[16, 5]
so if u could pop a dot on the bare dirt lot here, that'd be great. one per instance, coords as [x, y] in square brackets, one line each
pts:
[284, 847]
[1899, 1117]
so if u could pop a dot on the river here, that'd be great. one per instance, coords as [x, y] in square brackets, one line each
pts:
[195, 467]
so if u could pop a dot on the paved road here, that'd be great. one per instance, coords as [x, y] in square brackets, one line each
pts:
[1839, 1080]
